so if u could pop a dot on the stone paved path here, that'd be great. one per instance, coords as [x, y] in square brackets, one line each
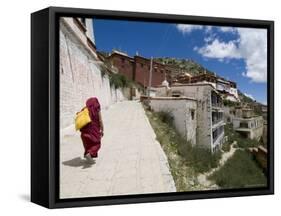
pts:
[130, 161]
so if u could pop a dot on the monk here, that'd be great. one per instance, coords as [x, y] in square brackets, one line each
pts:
[91, 133]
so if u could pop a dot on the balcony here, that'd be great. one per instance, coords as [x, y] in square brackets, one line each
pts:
[218, 124]
[218, 134]
[217, 117]
[216, 101]
[217, 140]
[244, 125]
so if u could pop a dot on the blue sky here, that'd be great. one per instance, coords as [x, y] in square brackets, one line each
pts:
[238, 54]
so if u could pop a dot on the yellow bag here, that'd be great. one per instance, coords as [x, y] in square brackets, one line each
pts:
[82, 119]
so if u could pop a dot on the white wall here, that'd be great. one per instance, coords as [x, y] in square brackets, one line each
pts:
[181, 112]
[80, 76]
[15, 97]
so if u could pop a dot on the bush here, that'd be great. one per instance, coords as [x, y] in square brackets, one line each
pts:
[239, 171]
[229, 103]
[166, 117]
[201, 159]
[119, 81]
[226, 146]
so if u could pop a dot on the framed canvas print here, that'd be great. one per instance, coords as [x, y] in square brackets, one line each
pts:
[138, 107]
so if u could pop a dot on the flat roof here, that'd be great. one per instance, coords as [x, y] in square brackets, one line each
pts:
[243, 129]
[247, 119]
[173, 98]
[192, 84]
[196, 84]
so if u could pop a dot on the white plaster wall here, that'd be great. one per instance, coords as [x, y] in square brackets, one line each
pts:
[181, 112]
[90, 29]
[202, 94]
[236, 123]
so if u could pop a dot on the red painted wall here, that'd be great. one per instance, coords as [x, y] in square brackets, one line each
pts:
[124, 64]
[138, 69]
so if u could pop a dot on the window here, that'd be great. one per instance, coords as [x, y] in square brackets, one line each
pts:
[122, 60]
[244, 125]
[141, 65]
[192, 114]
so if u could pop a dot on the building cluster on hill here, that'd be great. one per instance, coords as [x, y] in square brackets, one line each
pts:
[196, 102]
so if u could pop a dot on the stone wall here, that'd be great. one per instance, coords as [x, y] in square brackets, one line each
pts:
[80, 75]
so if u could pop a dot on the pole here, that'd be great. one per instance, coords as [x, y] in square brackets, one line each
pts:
[150, 76]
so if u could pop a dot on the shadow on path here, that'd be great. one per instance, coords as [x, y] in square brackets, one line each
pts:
[78, 162]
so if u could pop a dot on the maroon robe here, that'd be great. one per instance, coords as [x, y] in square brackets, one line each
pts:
[91, 133]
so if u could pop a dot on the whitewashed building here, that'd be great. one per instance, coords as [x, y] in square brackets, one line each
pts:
[184, 113]
[209, 111]
[247, 124]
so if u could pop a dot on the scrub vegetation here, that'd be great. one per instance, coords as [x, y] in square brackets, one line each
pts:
[239, 171]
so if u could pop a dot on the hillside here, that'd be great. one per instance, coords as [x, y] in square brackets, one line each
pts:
[185, 64]
[252, 103]
[244, 98]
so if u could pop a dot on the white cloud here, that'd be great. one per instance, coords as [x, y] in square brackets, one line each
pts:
[227, 29]
[186, 28]
[251, 46]
[249, 96]
[208, 29]
[219, 49]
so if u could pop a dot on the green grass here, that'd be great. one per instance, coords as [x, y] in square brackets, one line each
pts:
[240, 171]
[185, 161]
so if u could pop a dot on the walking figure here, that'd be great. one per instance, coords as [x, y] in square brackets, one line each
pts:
[91, 133]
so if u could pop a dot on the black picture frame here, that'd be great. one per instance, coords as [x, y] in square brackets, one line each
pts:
[45, 107]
